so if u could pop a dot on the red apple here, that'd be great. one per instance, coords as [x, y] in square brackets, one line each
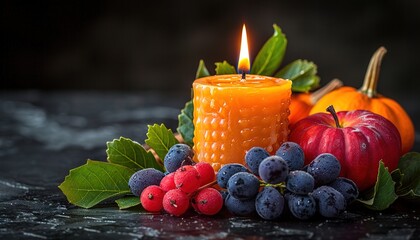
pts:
[359, 139]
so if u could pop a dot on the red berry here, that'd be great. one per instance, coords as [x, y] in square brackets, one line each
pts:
[187, 179]
[194, 204]
[206, 172]
[151, 198]
[167, 183]
[176, 202]
[208, 201]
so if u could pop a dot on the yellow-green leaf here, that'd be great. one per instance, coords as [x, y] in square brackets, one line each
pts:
[95, 182]
[202, 70]
[127, 202]
[224, 68]
[409, 176]
[271, 55]
[185, 123]
[131, 154]
[302, 73]
[382, 195]
[160, 139]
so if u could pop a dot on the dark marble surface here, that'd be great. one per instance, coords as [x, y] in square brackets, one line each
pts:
[45, 134]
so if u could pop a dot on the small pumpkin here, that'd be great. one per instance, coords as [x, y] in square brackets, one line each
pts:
[366, 98]
[302, 103]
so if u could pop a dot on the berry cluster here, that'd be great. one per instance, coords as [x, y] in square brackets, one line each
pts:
[272, 182]
[266, 185]
[183, 186]
[319, 189]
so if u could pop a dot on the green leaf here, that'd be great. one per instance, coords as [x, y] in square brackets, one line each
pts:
[305, 84]
[271, 55]
[396, 176]
[296, 69]
[408, 173]
[382, 195]
[131, 154]
[224, 68]
[160, 139]
[95, 182]
[302, 73]
[202, 70]
[185, 123]
[127, 202]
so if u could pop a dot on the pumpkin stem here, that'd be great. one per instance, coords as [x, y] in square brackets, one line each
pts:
[372, 73]
[331, 110]
[318, 94]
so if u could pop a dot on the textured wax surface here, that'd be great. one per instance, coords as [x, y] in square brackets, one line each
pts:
[231, 116]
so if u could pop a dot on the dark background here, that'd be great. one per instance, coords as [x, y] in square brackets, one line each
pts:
[76, 74]
[156, 45]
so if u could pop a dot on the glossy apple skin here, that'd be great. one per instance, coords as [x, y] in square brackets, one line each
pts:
[363, 140]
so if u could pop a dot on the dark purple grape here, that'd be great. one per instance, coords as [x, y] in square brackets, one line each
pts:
[346, 187]
[273, 170]
[325, 168]
[227, 171]
[243, 185]
[293, 154]
[254, 157]
[302, 206]
[300, 182]
[144, 178]
[178, 154]
[240, 207]
[330, 202]
[224, 193]
[269, 203]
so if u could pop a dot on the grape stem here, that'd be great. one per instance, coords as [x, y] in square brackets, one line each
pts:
[207, 185]
[281, 186]
[204, 186]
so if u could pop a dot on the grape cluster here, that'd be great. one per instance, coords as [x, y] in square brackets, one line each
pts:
[184, 186]
[268, 184]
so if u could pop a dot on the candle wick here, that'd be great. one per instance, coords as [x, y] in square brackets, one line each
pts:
[243, 76]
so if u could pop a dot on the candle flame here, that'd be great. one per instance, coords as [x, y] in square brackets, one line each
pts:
[244, 63]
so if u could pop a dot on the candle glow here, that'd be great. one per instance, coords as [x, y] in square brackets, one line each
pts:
[235, 112]
[244, 63]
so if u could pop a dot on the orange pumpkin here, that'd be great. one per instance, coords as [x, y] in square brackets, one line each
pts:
[366, 98]
[301, 103]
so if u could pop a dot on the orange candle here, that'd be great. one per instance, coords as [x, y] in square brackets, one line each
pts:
[233, 113]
